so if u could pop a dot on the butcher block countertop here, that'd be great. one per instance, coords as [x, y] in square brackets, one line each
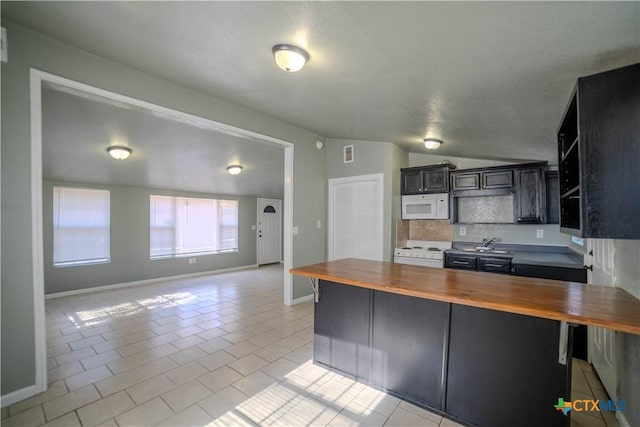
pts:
[607, 307]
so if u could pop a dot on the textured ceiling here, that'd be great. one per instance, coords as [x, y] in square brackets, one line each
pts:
[78, 128]
[491, 79]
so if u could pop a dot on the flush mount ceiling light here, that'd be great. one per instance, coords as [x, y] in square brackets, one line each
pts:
[234, 169]
[432, 143]
[289, 57]
[119, 153]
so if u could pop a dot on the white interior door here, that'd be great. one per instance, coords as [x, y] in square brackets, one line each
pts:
[356, 217]
[269, 231]
[601, 341]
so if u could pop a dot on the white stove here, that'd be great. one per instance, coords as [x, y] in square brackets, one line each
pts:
[422, 252]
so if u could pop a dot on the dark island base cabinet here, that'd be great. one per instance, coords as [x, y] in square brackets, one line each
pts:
[498, 365]
[476, 366]
[409, 324]
[580, 344]
[341, 329]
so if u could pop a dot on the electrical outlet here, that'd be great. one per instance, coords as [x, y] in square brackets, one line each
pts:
[295, 230]
[539, 234]
[463, 231]
[253, 227]
[318, 224]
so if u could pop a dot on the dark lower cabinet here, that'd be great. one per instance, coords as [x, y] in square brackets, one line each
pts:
[477, 366]
[341, 329]
[580, 332]
[405, 361]
[463, 262]
[503, 369]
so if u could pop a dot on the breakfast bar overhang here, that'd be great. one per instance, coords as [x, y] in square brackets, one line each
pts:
[480, 348]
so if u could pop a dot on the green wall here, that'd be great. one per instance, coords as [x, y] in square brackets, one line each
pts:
[29, 49]
[130, 241]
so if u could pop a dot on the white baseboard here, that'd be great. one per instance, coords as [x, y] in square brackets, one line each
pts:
[302, 299]
[622, 420]
[19, 395]
[146, 282]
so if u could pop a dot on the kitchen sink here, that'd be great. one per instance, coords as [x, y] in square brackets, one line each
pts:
[486, 250]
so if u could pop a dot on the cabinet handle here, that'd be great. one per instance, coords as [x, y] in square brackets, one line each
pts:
[588, 267]
[420, 190]
[461, 262]
[494, 265]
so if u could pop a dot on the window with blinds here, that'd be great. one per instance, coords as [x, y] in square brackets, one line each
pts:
[187, 226]
[81, 226]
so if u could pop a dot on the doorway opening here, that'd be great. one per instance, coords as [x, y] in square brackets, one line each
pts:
[37, 79]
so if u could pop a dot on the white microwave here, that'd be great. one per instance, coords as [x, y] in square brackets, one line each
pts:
[426, 206]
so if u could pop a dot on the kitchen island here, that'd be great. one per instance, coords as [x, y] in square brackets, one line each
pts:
[481, 348]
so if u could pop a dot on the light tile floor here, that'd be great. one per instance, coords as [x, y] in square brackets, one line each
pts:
[585, 384]
[215, 350]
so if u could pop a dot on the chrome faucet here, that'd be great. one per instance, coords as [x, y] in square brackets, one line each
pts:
[487, 242]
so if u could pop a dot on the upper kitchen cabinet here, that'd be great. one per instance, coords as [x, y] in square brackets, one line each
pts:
[598, 157]
[553, 196]
[530, 196]
[490, 179]
[508, 194]
[426, 179]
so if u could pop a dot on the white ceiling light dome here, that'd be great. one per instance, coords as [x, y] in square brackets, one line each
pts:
[234, 169]
[432, 143]
[289, 57]
[118, 152]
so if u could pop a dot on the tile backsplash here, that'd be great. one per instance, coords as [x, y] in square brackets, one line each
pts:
[417, 229]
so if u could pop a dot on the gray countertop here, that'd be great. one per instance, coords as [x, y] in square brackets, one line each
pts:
[552, 256]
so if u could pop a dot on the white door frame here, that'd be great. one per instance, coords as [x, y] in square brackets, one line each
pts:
[258, 213]
[37, 77]
[379, 178]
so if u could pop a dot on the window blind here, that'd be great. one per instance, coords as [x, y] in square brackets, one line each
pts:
[81, 226]
[184, 226]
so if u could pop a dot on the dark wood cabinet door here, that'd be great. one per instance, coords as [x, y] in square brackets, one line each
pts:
[341, 329]
[412, 182]
[466, 181]
[435, 181]
[507, 358]
[553, 197]
[407, 348]
[497, 179]
[529, 196]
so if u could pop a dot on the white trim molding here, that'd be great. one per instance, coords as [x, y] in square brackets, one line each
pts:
[146, 282]
[37, 245]
[37, 78]
[18, 395]
[303, 299]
